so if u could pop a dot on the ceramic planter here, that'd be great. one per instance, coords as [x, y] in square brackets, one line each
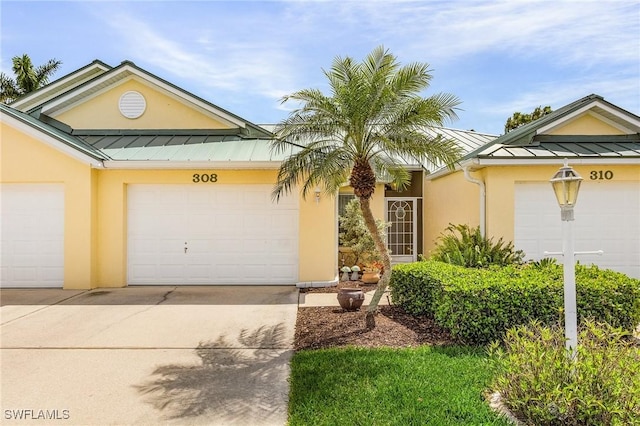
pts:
[350, 299]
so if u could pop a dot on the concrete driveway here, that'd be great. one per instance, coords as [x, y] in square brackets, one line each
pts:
[146, 355]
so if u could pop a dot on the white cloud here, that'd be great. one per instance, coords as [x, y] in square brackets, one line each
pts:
[621, 91]
[263, 69]
[587, 32]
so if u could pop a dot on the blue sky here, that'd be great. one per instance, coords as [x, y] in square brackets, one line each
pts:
[498, 57]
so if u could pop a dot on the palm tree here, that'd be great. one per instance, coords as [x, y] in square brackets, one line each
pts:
[362, 133]
[27, 77]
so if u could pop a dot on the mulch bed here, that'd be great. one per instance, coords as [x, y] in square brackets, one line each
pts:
[325, 327]
[342, 284]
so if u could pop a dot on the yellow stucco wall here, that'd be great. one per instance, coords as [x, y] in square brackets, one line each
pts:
[27, 160]
[95, 234]
[450, 199]
[317, 239]
[586, 124]
[453, 199]
[162, 111]
[501, 183]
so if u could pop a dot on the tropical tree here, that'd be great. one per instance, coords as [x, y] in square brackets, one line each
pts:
[362, 133]
[519, 119]
[27, 77]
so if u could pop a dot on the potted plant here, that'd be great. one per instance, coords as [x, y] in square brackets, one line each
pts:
[350, 299]
[371, 274]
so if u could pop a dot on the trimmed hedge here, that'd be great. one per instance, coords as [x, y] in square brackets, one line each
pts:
[479, 305]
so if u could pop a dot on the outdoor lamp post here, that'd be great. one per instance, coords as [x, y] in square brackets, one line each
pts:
[566, 183]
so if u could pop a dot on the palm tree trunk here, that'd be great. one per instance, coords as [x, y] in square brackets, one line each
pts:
[370, 222]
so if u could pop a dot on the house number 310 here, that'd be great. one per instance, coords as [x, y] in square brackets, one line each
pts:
[211, 177]
[601, 175]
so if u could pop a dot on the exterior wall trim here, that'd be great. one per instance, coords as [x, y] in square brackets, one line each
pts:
[478, 163]
[52, 142]
[317, 284]
[589, 109]
[128, 70]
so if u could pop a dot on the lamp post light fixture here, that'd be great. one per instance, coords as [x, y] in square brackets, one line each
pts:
[566, 184]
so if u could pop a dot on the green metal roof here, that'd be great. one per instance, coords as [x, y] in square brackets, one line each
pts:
[182, 145]
[551, 146]
[55, 133]
[525, 142]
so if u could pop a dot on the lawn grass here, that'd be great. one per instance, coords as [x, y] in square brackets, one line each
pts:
[418, 386]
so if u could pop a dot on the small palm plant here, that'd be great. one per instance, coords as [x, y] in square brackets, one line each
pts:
[466, 246]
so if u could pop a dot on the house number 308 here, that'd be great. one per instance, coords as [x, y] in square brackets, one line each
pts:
[211, 177]
[601, 175]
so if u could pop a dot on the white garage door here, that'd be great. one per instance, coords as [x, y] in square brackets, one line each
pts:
[32, 252]
[607, 217]
[211, 234]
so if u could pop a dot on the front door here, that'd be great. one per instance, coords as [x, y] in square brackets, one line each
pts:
[401, 236]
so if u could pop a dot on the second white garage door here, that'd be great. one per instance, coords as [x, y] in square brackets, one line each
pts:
[211, 234]
[607, 217]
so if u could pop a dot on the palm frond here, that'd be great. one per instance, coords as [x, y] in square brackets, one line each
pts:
[8, 89]
[43, 72]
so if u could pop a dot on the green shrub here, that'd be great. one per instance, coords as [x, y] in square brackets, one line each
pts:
[541, 386]
[478, 305]
[413, 285]
[465, 246]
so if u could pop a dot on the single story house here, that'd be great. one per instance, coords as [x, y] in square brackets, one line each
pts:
[112, 176]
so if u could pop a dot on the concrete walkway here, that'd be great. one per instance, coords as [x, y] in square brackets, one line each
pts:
[146, 355]
[306, 300]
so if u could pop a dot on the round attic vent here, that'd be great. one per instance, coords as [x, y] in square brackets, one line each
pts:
[132, 104]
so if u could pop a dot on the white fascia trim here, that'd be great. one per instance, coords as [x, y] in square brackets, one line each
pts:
[52, 142]
[51, 110]
[555, 161]
[145, 78]
[588, 108]
[190, 165]
[52, 88]
[478, 163]
[446, 171]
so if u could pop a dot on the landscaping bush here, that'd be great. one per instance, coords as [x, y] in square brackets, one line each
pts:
[478, 305]
[465, 246]
[541, 386]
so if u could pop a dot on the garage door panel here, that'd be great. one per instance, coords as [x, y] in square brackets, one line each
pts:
[233, 233]
[32, 235]
[606, 218]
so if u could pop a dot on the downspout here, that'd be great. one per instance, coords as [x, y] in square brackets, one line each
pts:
[483, 198]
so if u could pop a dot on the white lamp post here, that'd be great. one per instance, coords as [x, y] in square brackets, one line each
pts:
[566, 183]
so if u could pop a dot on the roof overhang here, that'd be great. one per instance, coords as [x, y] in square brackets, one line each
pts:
[605, 112]
[474, 164]
[50, 140]
[191, 165]
[50, 91]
